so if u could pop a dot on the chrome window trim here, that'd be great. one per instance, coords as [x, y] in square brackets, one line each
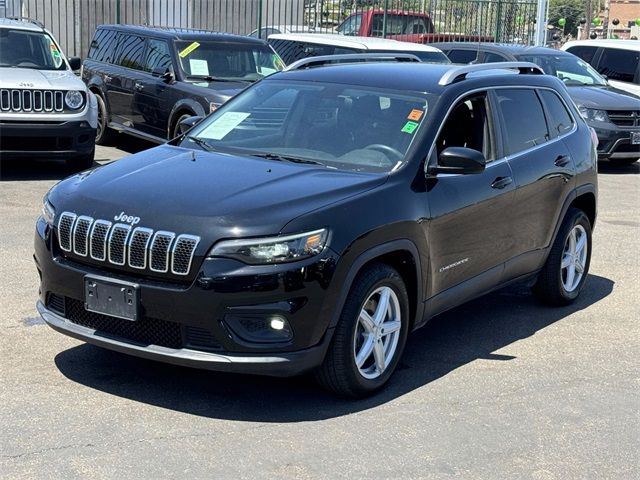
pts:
[146, 246]
[127, 227]
[73, 217]
[104, 242]
[172, 237]
[86, 235]
[499, 161]
[193, 252]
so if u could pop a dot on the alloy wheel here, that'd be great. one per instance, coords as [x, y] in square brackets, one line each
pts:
[574, 258]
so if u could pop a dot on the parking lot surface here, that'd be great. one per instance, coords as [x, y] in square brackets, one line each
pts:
[498, 388]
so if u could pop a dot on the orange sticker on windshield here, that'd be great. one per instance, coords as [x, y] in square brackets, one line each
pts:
[415, 114]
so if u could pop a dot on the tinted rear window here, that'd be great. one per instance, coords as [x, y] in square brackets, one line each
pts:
[585, 52]
[103, 46]
[130, 51]
[523, 119]
[559, 119]
[619, 65]
[462, 56]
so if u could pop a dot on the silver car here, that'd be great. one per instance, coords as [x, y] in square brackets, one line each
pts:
[45, 109]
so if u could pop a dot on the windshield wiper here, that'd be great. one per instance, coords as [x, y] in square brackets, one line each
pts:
[201, 143]
[286, 158]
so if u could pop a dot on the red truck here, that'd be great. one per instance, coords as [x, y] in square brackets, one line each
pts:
[401, 25]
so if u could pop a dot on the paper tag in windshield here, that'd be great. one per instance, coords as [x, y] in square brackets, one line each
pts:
[224, 124]
[198, 67]
[415, 115]
[409, 127]
[186, 51]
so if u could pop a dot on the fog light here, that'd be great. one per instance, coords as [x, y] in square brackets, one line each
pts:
[259, 328]
[278, 323]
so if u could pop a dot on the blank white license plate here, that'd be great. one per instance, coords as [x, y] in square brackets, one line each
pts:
[635, 138]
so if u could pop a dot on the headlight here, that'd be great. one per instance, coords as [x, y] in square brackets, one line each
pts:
[593, 115]
[48, 212]
[260, 251]
[73, 99]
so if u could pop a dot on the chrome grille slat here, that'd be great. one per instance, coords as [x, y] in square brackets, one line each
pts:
[123, 245]
[65, 228]
[182, 253]
[138, 244]
[98, 242]
[81, 235]
[118, 243]
[624, 118]
[159, 251]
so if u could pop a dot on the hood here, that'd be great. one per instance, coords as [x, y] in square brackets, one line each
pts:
[40, 79]
[212, 195]
[604, 98]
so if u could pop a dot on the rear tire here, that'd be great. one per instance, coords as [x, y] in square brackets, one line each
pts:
[565, 271]
[104, 135]
[82, 162]
[370, 335]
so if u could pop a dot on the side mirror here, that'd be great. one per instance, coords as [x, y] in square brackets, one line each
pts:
[459, 160]
[163, 73]
[188, 123]
[75, 63]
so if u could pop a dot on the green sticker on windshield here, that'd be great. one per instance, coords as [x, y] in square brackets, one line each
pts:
[189, 49]
[55, 54]
[410, 127]
[277, 61]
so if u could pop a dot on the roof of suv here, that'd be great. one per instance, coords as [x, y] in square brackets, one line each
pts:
[22, 24]
[365, 43]
[511, 48]
[182, 33]
[408, 76]
[633, 45]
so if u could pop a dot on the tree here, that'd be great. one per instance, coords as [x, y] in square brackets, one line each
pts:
[571, 10]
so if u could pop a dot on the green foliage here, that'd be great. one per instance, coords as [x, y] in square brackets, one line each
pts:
[571, 10]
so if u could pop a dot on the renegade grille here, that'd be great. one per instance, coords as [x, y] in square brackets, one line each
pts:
[31, 100]
[121, 244]
[625, 118]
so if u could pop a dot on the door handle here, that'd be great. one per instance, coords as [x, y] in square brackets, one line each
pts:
[562, 161]
[138, 86]
[501, 182]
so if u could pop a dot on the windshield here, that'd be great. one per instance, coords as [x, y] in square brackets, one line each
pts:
[26, 49]
[571, 70]
[227, 61]
[339, 126]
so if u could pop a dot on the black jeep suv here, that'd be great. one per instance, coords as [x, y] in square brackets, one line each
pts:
[318, 217]
[148, 79]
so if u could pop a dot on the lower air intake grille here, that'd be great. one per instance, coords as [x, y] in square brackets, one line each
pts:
[201, 338]
[146, 331]
[56, 303]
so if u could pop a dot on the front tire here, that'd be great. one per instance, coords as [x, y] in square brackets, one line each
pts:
[370, 336]
[567, 267]
[176, 126]
[104, 135]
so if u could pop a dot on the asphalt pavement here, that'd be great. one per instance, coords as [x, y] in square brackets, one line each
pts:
[500, 388]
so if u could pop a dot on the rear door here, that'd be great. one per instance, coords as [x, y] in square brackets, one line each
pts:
[533, 125]
[123, 85]
[469, 232]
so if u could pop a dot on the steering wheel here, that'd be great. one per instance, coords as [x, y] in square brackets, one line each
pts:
[386, 149]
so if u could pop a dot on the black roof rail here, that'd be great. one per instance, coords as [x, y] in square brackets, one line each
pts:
[27, 19]
[459, 73]
[311, 62]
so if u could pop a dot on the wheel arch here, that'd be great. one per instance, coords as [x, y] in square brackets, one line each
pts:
[403, 256]
[185, 106]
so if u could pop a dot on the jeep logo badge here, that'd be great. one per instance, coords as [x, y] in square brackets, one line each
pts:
[127, 219]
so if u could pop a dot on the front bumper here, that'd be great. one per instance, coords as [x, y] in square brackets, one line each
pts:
[64, 139]
[191, 323]
[615, 142]
[279, 365]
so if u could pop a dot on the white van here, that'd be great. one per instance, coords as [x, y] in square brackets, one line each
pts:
[618, 60]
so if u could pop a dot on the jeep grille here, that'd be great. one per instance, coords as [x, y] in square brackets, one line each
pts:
[121, 244]
[15, 100]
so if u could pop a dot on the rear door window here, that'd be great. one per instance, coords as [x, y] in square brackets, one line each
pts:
[103, 46]
[619, 64]
[130, 51]
[559, 119]
[523, 120]
[462, 56]
[494, 57]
